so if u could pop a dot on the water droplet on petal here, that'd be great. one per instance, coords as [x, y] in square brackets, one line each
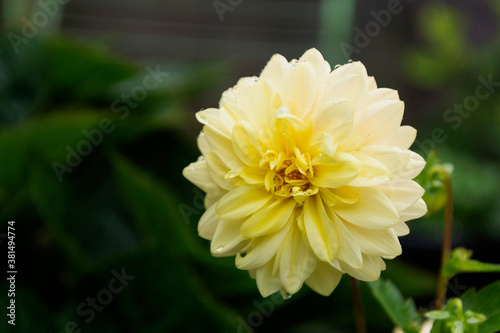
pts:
[219, 249]
[336, 66]
[285, 295]
[350, 61]
[231, 174]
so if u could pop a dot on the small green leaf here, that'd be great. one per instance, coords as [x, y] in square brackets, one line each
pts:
[460, 262]
[402, 312]
[438, 314]
[457, 327]
[473, 318]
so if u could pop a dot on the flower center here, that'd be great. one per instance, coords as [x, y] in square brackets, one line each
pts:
[289, 176]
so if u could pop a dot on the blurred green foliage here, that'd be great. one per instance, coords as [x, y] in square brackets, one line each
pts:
[471, 313]
[118, 207]
[403, 313]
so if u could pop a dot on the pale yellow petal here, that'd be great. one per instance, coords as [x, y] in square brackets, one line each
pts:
[322, 143]
[198, 174]
[254, 175]
[393, 158]
[335, 171]
[267, 282]
[349, 86]
[381, 121]
[242, 202]
[333, 114]
[372, 266]
[372, 83]
[213, 197]
[261, 94]
[324, 279]
[216, 119]
[218, 171]
[349, 250]
[415, 211]
[262, 249]
[412, 169]
[296, 261]
[245, 143]
[372, 173]
[203, 144]
[384, 243]
[269, 219]
[322, 233]
[298, 88]
[235, 112]
[345, 195]
[401, 229]
[347, 137]
[404, 137]
[275, 69]
[355, 67]
[321, 67]
[402, 193]
[227, 240]
[208, 223]
[223, 147]
[382, 94]
[373, 210]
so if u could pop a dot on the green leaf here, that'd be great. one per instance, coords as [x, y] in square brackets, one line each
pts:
[57, 130]
[402, 312]
[163, 230]
[460, 262]
[473, 318]
[438, 314]
[156, 210]
[487, 303]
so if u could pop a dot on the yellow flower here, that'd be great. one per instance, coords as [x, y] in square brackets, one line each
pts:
[308, 175]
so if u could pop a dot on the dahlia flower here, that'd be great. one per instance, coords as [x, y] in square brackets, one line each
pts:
[307, 175]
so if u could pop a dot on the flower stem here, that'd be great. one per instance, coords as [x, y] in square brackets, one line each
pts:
[358, 306]
[445, 256]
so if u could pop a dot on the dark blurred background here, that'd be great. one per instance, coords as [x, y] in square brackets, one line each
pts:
[97, 103]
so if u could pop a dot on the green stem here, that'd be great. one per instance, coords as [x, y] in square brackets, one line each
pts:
[445, 256]
[358, 306]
